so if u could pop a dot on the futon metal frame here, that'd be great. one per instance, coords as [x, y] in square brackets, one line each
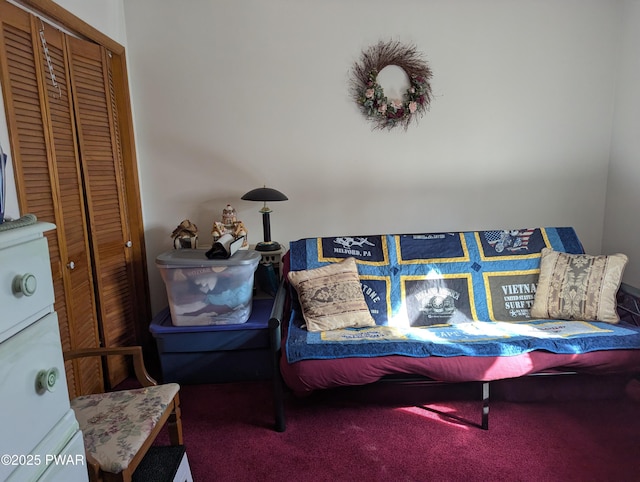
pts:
[628, 299]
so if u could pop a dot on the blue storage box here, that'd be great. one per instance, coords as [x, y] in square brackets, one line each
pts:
[215, 353]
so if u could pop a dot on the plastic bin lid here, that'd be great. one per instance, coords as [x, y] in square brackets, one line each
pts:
[196, 258]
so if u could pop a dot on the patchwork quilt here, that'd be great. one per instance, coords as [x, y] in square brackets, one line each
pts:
[448, 294]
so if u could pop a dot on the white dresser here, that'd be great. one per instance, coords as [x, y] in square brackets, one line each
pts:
[39, 435]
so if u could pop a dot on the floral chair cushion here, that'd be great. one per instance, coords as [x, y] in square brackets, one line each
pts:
[116, 424]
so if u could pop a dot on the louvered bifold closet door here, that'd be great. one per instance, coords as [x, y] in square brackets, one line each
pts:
[102, 171]
[46, 165]
[77, 268]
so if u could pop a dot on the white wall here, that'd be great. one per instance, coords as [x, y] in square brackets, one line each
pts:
[230, 95]
[622, 229]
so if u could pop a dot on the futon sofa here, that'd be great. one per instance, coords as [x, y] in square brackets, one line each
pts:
[475, 306]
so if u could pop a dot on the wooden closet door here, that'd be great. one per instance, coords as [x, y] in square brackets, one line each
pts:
[104, 187]
[47, 171]
[77, 269]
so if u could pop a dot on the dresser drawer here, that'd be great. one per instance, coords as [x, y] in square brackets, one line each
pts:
[29, 413]
[70, 465]
[52, 457]
[26, 287]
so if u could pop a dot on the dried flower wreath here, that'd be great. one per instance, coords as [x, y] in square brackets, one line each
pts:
[369, 95]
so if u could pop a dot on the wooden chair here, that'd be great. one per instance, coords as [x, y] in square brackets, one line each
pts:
[119, 427]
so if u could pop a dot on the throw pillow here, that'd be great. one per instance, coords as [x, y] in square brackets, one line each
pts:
[331, 297]
[578, 286]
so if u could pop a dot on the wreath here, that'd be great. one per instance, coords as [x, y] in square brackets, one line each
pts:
[369, 95]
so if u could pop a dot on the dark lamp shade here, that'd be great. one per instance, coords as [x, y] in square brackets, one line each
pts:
[264, 194]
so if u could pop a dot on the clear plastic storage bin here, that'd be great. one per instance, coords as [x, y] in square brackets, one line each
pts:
[204, 291]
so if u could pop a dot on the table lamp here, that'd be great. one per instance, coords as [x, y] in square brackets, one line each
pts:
[265, 194]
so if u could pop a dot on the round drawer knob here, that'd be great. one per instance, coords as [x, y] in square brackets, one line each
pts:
[25, 284]
[46, 379]
[71, 265]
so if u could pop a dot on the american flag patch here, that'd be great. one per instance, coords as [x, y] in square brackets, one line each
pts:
[511, 240]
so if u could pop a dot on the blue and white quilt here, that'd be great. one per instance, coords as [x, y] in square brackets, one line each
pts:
[476, 338]
[449, 294]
